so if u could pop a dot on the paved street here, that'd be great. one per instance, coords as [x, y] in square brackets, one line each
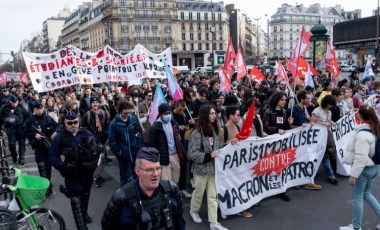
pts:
[308, 210]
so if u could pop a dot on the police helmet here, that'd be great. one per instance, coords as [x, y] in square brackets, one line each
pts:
[10, 122]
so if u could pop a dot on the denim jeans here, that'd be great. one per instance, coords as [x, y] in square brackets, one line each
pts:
[362, 189]
[327, 165]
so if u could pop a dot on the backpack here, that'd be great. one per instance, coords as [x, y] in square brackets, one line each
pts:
[375, 158]
[225, 132]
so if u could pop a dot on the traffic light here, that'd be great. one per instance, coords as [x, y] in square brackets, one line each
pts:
[220, 60]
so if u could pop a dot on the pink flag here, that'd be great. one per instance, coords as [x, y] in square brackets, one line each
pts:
[230, 58]
[24, 78]
[225, 82]
[3, 78]
[331, 62]
[303, 43]
[158, 99]
[240, 64]
[281, 73]
[174, 88]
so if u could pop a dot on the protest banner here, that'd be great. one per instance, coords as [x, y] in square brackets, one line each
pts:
[254, 169]
[71, 66]
[343, 132]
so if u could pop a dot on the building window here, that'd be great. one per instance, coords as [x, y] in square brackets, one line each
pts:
[191, 26]
[182, 15]
[221, 36]
[183, 36]
[182, 26]
[207, 36]
[206, 16]
[122, 2]
[221, 46]
[184, 46]
[190, 16]
[198, 16]
[199, 26]
[206, 26]
[220, 26]
[199, 46]
[152, 3]
[219, 17]
[207, 46]
[144, 3]
[199, 36]
[191, 36]
[274, 28]
[192, 46]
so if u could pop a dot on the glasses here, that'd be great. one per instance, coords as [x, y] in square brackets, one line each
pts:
[151, 170]
[72, 122]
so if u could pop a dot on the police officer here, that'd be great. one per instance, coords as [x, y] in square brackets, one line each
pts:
[40, 129]
[13, 117]
[146, 203]
[5, 96]
[74, 152]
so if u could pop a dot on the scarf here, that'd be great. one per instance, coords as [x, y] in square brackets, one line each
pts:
[97, 120]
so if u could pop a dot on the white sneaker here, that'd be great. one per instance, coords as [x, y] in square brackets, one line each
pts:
[186, 194]
[195, 216]
[223, 216]
[192, 183]
[217, 226]
[349, 227]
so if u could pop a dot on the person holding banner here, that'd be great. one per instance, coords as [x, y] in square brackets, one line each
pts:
[275, 120]
[363, 171]
[204, 145]
[322, 116]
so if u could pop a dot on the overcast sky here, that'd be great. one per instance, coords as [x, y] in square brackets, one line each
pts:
[20, 19]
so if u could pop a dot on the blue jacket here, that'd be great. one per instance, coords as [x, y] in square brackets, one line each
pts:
[124, 138]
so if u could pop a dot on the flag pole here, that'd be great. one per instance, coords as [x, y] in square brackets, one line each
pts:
[298, 57]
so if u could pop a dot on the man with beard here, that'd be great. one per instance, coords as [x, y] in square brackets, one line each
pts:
[74, 152]
[146, 203]
[144, 112]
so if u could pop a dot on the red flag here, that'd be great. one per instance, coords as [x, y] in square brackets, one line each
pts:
[246, 128]
[24, 78]
[240, 64]
[225, 82]
[313, 70]
[331, 63]
[230, 58]
[3, 78]
[256, 75]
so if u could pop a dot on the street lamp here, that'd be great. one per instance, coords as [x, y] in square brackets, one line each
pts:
[257, 39]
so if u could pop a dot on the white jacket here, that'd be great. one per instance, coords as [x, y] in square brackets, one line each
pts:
[360, 150]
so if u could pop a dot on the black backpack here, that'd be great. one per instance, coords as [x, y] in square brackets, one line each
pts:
[375, 158]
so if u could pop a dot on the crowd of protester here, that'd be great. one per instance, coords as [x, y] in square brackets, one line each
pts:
[188, 132]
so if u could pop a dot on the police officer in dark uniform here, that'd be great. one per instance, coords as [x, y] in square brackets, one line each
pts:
[146, 203]
[40, 129]
[13, 117]
[75, 153]
[5, 96]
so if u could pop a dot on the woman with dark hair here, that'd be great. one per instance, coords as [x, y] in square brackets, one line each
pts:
[275, 120]
[322, 116]
[204, 145]
[363, 171]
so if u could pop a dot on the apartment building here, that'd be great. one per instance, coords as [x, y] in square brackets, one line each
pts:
[286, 25]
[51, 30]
[203, 33]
